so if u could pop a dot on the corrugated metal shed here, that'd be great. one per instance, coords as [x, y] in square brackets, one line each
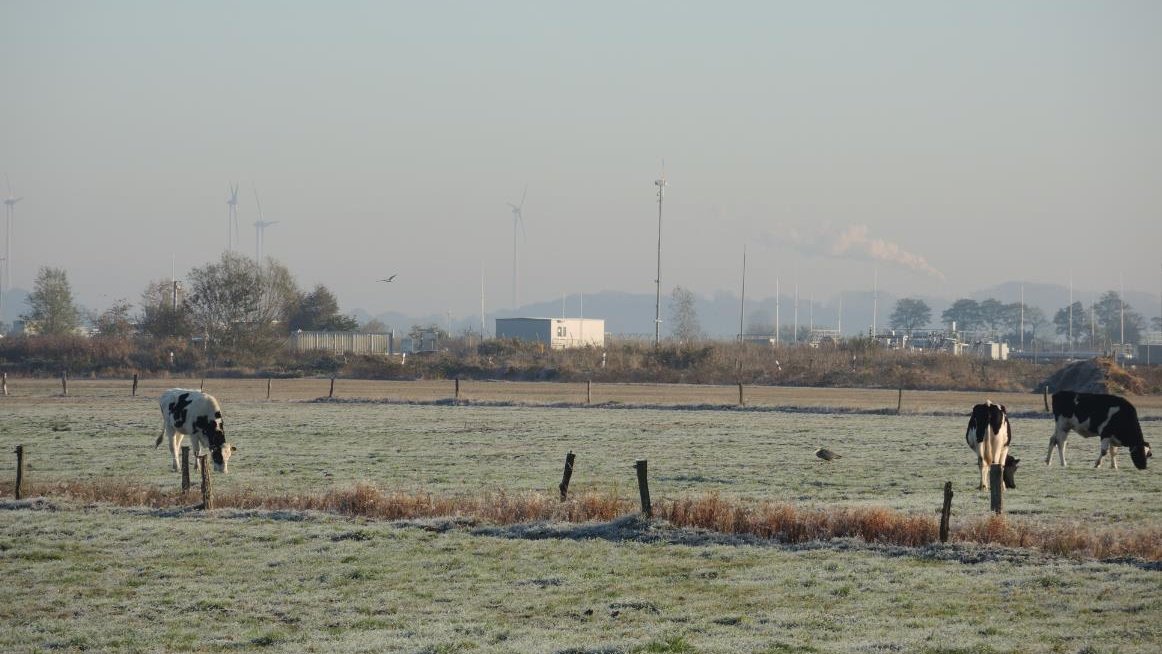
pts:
[342, 342]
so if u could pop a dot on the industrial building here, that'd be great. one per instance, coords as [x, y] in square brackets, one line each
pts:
[557, 333]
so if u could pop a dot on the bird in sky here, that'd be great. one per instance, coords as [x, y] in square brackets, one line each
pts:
[389, 279]
[827, 455]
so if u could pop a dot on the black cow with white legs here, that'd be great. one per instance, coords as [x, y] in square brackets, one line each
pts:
[989, 435]
[1109, 417]
[197, 415]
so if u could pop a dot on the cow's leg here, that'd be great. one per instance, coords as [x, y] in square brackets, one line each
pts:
[175, 441]
[1057, 440]
[1105, 447]
[1114, 456]
[980, 461]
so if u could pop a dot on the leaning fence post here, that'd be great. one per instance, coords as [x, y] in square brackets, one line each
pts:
[1045, 396]
[65, 382]
[996, 489]
[19, 472]
[185, 468]
[567, 475]
[643, 487]
[946, 512]
[202, 384]
[741, 399]
[331, 393]
[207, 488]
[4, 382]
[268, 388]
[900, 400]
[134, 393]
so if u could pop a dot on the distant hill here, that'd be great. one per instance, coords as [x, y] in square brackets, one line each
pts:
[632, 314]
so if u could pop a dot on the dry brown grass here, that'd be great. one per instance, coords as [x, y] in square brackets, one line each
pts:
[777, 521]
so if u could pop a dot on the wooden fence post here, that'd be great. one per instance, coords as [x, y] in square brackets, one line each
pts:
[996, 489]
[134, 393]
[643, 487]
[202, 384]
[207, 487]
[456, 396]
[185, 468]
[1045, 396]
[268, 388]
[946, 512]
[589, 391]
[900, 400]
[567, 475]
[741, 399]
[331, 393]
[19, 472]
[4, 382]
[65, 382]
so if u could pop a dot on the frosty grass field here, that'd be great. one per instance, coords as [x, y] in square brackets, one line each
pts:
[134, 579]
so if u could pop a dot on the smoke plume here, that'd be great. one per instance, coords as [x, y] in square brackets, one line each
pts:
[852, 242]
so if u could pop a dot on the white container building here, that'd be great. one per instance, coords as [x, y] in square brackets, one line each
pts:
[557, 333]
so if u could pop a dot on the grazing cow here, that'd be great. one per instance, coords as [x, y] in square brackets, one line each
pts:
[1109, 417]
[197, 415]
[989, 435]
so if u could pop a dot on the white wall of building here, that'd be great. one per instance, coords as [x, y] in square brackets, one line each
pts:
[557, 333]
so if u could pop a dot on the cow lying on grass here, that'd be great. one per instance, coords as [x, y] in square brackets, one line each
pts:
[1110, 417]
[197, 415]
[989, 435]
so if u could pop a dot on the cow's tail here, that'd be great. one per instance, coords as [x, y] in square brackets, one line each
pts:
[160, 436]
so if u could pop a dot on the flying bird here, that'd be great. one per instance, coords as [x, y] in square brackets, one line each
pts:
[827, 455]
[389, 279]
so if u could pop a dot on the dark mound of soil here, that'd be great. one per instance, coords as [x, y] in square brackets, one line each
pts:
[1098, 375]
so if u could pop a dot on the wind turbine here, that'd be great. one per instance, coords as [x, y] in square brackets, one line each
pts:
[260, 226]
[232, 217]
[9, 213]
[518, 221]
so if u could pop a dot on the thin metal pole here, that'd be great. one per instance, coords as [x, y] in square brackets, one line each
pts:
[661, 184]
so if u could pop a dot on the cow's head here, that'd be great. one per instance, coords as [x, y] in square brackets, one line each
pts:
[1139, 454]
[1009, 470]
[221, 456]
[215, 433]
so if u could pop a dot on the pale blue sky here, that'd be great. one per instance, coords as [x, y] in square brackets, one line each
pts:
[964, 144]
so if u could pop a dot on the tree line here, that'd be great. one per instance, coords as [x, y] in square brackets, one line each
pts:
[237, 309]
[1106, 322]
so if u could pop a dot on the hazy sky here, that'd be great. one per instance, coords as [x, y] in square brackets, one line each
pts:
[960, 145]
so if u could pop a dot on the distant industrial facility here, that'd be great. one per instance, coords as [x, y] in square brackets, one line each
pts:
[557, 333]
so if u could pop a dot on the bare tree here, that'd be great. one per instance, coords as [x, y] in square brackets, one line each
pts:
[684, 316]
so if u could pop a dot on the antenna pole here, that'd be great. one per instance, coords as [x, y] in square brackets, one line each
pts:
[742, 300]
[777, 337]
[661, 184]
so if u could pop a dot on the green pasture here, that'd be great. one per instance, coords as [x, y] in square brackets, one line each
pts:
[99, 578]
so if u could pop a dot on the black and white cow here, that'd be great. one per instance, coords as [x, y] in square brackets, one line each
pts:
[197, 415]
[1109, 417]
[989, 435]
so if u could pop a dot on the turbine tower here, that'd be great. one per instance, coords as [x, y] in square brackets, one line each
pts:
[9, 212]
[232, 217]
[518, 222]
[260, 226]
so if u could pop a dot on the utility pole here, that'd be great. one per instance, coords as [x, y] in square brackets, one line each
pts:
[661, 184]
